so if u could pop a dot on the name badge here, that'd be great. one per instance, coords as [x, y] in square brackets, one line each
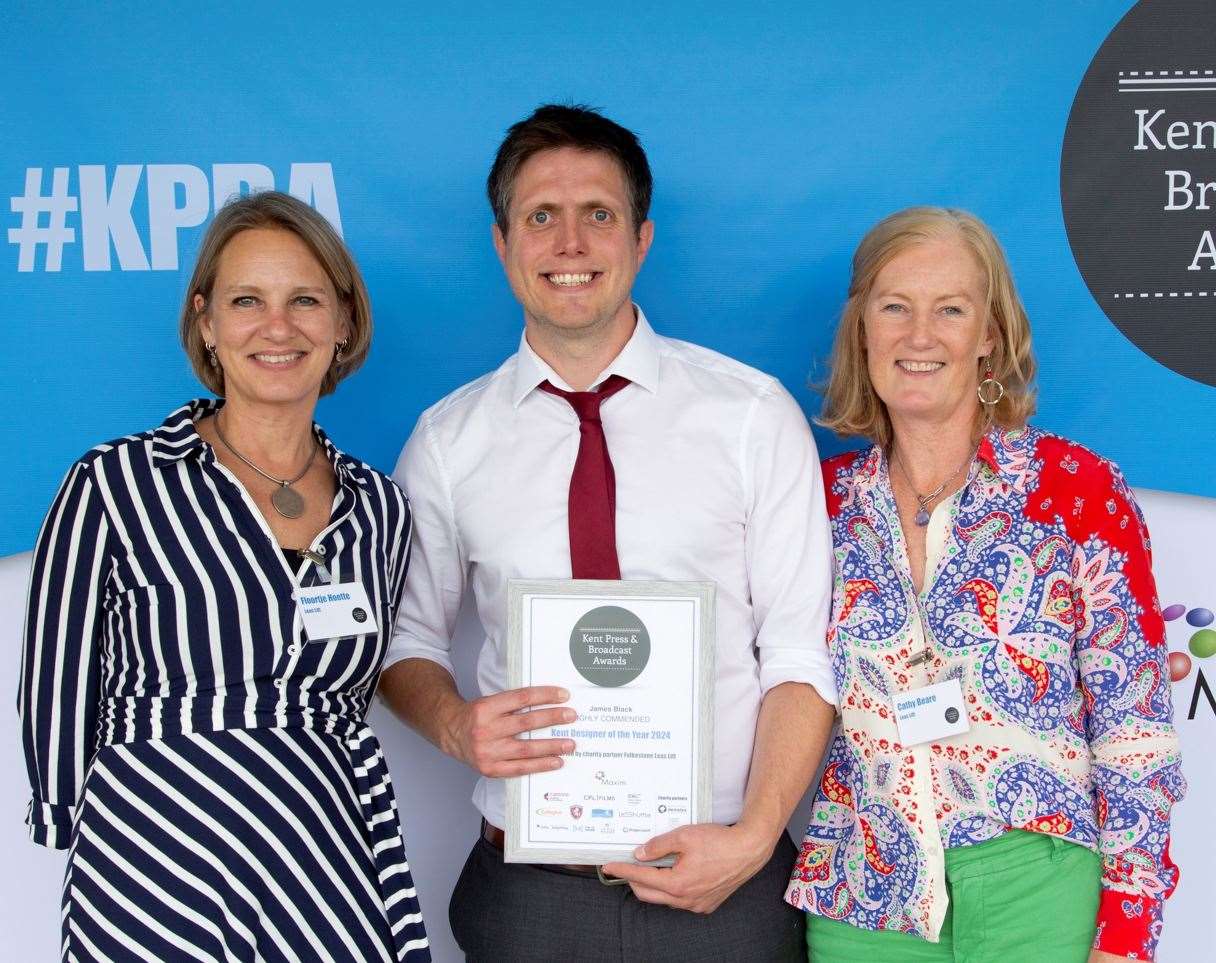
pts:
[336, 610]
[931, 713]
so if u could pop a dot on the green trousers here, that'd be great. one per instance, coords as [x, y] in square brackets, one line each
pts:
[1021, 896]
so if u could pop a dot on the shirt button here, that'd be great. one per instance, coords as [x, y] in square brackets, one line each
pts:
[293, 648]
[279, 683]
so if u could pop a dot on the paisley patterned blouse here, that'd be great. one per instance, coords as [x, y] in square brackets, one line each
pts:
[1041, 602]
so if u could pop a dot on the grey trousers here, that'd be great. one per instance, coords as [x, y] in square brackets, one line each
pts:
[512, 913]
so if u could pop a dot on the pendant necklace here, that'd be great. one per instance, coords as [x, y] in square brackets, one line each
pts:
[922, 513]
[286, 500]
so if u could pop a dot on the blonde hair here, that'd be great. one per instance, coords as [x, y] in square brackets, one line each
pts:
[274, 209]
[851, 406]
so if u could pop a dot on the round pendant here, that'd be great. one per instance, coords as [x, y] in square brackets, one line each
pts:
[922, 518]
[287, 502]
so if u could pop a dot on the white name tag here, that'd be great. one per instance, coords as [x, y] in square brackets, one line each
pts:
[931, 714]
[333, 611]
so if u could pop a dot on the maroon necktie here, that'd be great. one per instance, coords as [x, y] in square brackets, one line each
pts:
[592, 507]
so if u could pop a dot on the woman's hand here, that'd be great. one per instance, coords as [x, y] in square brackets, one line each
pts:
[1101, 956]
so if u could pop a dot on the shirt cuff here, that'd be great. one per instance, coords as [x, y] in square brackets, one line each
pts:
[406, 647]
[1128, 925]
[401, 649]
[50, 823]
[812, 667]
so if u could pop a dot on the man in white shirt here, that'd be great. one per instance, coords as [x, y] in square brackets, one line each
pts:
[716, 478]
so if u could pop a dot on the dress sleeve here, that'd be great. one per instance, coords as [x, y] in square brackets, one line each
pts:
[1136, 772]
[60, 669]
[400, 535]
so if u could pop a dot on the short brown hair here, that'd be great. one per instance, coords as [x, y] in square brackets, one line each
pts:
[552, 126]
[851, 406]
[274, 209]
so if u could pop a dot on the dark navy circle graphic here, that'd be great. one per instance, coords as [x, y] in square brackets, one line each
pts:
[952, 715]
[609, 646]
[1138, 182]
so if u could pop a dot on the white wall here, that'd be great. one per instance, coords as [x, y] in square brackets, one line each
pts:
[1183, 530]
[32, 877]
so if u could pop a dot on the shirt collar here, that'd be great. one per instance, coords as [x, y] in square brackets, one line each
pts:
[986, 453]
[638, 361]
[177, 439]
[1008, 453]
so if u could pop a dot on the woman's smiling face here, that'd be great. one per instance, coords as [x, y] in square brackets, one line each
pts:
[926, 328]
[274, 318]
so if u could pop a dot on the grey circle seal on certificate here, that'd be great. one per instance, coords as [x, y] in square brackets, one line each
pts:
[609, 646]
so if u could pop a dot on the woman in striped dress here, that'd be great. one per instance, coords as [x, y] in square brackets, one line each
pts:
[194, 737]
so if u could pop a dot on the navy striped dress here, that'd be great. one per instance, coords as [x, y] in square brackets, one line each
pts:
[208, 767]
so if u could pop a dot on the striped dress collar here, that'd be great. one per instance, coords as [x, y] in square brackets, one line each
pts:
[177, 438]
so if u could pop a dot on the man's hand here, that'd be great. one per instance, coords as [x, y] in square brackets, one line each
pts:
[711, 863]
[483, 733]
[1101, 956]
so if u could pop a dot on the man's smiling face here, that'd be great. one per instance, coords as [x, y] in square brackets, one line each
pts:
[571, 251]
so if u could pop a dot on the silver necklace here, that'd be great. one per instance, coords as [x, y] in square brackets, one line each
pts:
[922, 514]
[286, 500]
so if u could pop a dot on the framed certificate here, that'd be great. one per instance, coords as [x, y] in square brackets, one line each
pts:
[638, 661]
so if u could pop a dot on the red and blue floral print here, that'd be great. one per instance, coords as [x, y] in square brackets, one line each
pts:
[1041, 602]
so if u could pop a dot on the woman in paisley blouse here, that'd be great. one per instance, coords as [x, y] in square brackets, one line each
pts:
[1009, 568]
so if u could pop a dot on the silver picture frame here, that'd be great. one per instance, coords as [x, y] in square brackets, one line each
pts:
[521, 592]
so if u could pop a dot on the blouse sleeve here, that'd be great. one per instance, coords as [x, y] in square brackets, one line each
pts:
[1136, 771]
[60, 669]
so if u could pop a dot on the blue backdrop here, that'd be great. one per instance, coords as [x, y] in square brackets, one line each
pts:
[778, 132]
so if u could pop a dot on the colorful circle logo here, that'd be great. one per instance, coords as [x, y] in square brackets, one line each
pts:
[1202, 643]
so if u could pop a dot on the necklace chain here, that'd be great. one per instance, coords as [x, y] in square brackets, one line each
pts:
[285, 500]
[925, 500]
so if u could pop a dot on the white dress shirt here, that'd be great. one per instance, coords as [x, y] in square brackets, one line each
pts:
[717, 478]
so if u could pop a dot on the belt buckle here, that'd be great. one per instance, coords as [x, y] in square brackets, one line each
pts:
[609, 880]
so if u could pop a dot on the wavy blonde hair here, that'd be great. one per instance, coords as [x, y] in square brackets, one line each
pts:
[851, 406]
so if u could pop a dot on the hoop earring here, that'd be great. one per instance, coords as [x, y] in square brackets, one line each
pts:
[339, 357]
[215, 362]
[989, 387]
